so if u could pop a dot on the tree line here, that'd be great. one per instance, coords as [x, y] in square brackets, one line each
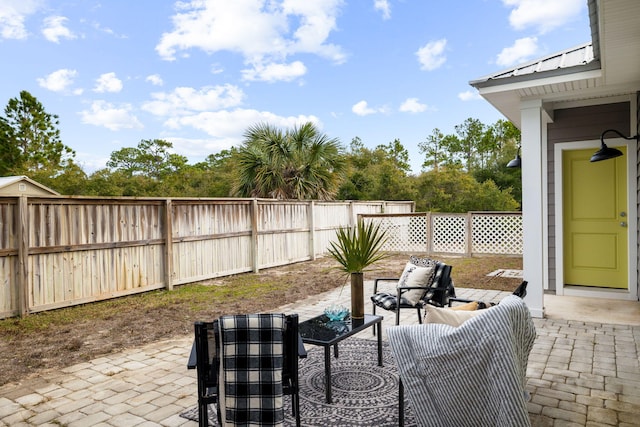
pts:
[461, 172]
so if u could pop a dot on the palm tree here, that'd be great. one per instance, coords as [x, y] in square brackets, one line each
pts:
[295, 164]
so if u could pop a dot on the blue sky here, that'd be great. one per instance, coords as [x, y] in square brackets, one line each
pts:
[198, 73]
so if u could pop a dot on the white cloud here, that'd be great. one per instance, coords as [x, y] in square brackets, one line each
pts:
[54, 29]
[412, 105]
[522, 50]
[12, 17]
[186, 100]
[431, 55]
[112, 117]
[108, 82]
[275, 72]
[362, 109]
[469, 95]
[384, 7]
[262, 34]
[229, 125]
[544, 15]
[155, 80]
[59, 80]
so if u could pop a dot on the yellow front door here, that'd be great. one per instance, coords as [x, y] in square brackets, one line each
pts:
[595, 220]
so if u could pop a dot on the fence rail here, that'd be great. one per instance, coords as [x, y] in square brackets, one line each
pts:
[58, 251]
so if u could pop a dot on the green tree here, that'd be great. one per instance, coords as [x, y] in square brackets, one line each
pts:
[506, 139]
[151, 158]
[30, 139]
[469, 143]
[378, 174]
[396, 152]
[300, 163]
[454, 190]
[437, 149]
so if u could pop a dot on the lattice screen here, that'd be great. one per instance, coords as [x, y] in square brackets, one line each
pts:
[497, 234]
[449, 233]
[491, 233]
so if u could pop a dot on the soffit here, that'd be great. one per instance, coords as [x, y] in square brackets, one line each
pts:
[576, 74]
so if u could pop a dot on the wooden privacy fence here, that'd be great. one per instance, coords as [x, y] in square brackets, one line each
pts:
[58, 251]
[473, 233]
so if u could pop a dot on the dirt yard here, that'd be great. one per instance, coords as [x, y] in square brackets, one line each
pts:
[54, 340]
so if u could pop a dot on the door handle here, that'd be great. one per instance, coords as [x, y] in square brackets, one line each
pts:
[623, 224]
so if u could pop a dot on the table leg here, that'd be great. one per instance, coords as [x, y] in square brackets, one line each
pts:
[379, 326]
[335, 351]
[327, 374]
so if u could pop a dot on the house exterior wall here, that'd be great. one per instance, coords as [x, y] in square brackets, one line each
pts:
[23, 188]
[577, 124]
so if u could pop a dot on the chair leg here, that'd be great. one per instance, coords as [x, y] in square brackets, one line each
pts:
[419, 316]
[203, 415]
[374, 313]
[397, 316]
[296, 400]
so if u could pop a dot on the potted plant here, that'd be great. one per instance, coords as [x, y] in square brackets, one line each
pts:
[356, 249]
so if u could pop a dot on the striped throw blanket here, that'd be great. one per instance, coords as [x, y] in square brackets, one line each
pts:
[472, 375]
[251, 373]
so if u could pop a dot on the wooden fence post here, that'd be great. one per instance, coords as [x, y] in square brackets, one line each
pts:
[168, 245]
[429, 226]
[312, 229]
[469, 240]
[254, 235]
[23, 256]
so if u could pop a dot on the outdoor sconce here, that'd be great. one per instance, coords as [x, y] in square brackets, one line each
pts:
[605, 152]
[517, 162]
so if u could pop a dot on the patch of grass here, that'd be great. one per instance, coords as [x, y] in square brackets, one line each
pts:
[195, 297]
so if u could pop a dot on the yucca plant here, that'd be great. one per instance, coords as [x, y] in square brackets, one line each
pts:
[356, 249]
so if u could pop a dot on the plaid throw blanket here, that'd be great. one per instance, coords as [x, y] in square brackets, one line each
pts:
[252, 362]
[472, 375]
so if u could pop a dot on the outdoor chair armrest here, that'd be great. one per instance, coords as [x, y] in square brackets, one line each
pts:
[383, 279]
[403, 289]
[302, 352]
[191, 364]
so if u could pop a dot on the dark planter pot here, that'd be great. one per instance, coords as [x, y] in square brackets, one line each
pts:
[357, 295]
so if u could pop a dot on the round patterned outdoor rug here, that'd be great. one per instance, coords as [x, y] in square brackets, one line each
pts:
[364, 394]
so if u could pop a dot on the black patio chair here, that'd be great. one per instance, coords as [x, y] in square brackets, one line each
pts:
[435, 290]
[211, 339]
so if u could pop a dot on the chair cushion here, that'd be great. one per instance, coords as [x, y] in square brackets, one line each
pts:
[447, 316]
[470, 306]
[384, 300]
[414, 275]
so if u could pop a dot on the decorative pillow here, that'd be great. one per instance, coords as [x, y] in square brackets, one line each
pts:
[470, 306]
[447, 316]
[414, 275]
[422, 262]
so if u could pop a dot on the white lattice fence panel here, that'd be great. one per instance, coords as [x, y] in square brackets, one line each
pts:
[449, 233]
[497, 234]
[404, 233]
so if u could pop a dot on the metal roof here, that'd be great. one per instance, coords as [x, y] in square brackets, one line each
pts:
[560, 63]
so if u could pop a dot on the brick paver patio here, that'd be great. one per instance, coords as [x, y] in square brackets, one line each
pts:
[580, 374]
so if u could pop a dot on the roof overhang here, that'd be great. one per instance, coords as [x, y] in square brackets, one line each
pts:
[609, 68]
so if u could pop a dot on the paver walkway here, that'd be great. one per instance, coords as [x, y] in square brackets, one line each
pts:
[580, 374]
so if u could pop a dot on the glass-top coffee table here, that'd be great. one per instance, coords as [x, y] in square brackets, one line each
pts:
[323, 332]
